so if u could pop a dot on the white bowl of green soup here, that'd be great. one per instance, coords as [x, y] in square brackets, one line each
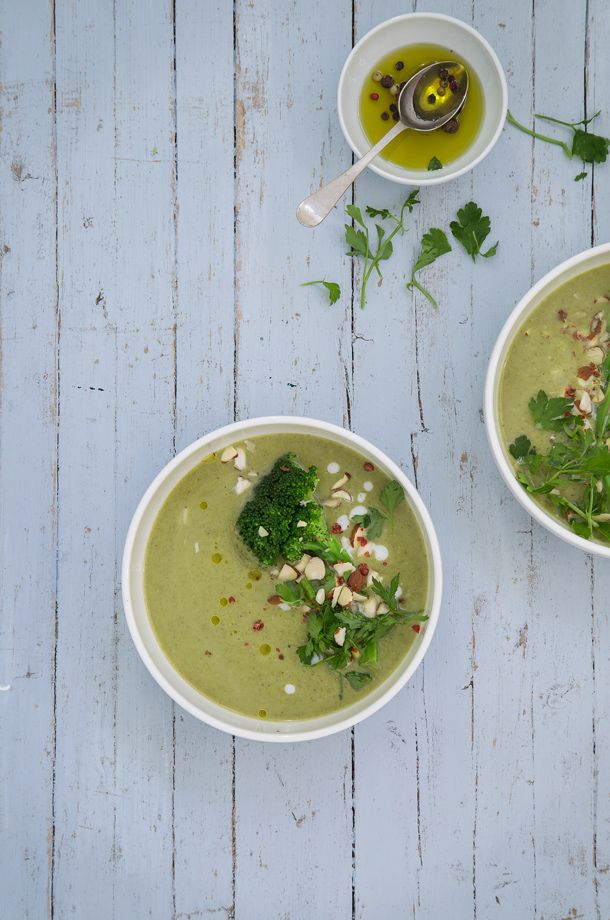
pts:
[547, 401]
[389, 55]
[281, 579]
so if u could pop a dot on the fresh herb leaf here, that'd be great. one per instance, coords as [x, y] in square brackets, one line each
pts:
[549, 413]
[580, 176]
[334, 290]
[471, 229]
[521, 447]
[391, 496]
[434, 164]
[330, 551]
[359, 240]
[357, 679]
[291, 592]
[372, 521]
[433, 245]
[591, 148]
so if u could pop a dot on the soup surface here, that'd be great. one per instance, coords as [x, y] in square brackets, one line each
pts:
[553, 394]
[208, 597]
[414, 149]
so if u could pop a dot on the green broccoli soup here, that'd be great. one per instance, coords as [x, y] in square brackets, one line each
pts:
[554, 404]
[286, 577]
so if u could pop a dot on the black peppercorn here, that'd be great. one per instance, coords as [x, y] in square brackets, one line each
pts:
[387, 81]
[385, 116]
[451, 126]
[399, 65]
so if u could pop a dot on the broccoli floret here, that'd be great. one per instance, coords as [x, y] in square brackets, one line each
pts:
[277, 506]
[315, 531]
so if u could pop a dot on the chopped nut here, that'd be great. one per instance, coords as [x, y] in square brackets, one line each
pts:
[340, 635]
[369, 608]
[356, 581]
[345, 597]
[300, 565]
[341, 482]
[595, 354]
[262, 532]
[315, 569]
[287, 573]
[301, 523]
[332, 502]
[358, 534]
[228, 454]
[320, 596]
[342, 568]
[242, 484]
[240, 460]
[343, 495]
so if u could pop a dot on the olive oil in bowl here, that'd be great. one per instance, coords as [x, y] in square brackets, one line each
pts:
[413, 149]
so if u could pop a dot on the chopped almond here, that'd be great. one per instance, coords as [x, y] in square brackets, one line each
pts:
[340, 482]
[300, 565]
[287, 573]
[315, 570]
[345, 597]
[343, 495]
[340, 635]
[240, 462]
[228, 454]
[262, 532]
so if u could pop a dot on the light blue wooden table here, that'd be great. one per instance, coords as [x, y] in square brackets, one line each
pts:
[151, 157]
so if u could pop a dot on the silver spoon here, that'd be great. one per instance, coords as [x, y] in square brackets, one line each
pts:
[419, 108]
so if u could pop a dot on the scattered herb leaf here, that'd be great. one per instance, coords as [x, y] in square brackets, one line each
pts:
[471, 229]
[434, 164]
[580, 176]
[334, 290]
[433, 245]
[521, 447]
[591, 148]
[358, 238]
[549, 414]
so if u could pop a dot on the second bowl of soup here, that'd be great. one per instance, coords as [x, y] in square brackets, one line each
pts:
[547, 401]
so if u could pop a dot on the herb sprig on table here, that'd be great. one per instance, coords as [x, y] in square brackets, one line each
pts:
[589, 147]
[334, 290]
[574, 473]
[358, 237]
[433, 245]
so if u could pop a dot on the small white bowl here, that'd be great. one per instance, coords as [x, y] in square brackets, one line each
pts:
[414, 29]
[135, 606]
[590, 258]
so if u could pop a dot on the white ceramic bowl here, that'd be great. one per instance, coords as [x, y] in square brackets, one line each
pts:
[413, 29]
[135, 607]
[590, 258]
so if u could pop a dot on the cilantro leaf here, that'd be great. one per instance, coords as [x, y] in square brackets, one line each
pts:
[334, 290]
[591, 148]
[434, 244]
[521, 447]
[434, 164]
[549, 413]
[372, 521]
[471, 229]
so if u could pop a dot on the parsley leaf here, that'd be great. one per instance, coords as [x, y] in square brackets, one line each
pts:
[521, 447]
[434, 164]
[433, 245]
[392, 495]
[372, 521]
[357, 679]
[591, 148]
[580, 176]
[331, 551]
[549, 414]
[334, 290]
[471, 229]
[359, 237]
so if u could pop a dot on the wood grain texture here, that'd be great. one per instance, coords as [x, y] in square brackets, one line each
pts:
[151, 157]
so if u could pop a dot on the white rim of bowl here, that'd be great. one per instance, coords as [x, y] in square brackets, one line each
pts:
[491, 421]
[428, 180]
[436, 577]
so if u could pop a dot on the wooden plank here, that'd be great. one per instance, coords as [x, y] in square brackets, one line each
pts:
[113, 852]
[203, 806]
[293, 802]
[28, 330]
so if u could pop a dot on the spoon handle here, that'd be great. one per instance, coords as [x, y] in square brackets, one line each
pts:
[316, 207]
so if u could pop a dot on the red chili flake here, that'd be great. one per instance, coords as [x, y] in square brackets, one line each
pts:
[596, 327]
[385, 563]
[416, 627]
[207, 652]
[246, 643]
[367, 553]
[363, 569]
[562, 315]
[586, 371]
[257, 625]
[335, 529]
[281, 657]
[368, 467]
[277, 649]
[569, 392]
[231, 599]
[274, 599]
[340, 580]
[362, 541]
[578, 336]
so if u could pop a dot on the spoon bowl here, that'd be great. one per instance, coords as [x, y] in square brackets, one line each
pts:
[426, 102]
